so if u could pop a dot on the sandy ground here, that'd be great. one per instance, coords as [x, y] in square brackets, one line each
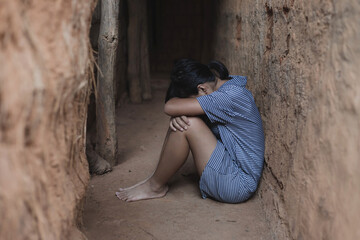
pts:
[182, 213]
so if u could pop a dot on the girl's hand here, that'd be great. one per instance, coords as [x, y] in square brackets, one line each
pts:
[179, 123]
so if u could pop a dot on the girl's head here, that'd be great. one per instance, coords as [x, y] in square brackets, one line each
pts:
[191, 78]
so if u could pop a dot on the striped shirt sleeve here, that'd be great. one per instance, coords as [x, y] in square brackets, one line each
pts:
[217, 106]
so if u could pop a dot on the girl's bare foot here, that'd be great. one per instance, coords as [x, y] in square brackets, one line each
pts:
[141, 192]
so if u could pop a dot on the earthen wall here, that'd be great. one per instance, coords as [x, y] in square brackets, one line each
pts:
[302, 60]
[44, 81]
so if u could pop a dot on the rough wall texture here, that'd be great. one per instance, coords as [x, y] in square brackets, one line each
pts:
[302, 59]
[44, 75]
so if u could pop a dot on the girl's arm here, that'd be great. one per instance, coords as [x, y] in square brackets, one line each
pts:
[183, 107]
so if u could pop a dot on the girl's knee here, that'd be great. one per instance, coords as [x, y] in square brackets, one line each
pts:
[195, 121]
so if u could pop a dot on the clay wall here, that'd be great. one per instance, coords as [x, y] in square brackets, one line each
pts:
[44, 82]
[302, 60]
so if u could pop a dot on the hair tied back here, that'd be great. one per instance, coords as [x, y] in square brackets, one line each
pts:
[219, 68]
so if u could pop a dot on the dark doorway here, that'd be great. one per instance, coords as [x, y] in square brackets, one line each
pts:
[180, 29]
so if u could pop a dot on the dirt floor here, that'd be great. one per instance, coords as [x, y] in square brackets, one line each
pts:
[182, 213]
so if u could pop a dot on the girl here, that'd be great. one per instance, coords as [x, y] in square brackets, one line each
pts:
[215, 117]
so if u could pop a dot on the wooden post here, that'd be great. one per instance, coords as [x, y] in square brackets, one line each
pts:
[105, 103]
[134, 52]
[138, 66]
[144, 52]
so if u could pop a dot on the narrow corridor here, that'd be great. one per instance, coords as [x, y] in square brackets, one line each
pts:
[182, 213]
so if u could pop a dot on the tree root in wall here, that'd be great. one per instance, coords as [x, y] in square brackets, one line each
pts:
[97, 164]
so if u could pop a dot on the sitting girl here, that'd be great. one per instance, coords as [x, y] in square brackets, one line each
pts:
[215, 117]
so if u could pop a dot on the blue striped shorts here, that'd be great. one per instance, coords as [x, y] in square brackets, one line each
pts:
[222, 179]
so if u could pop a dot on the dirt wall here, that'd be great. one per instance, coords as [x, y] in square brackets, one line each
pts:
[44, 81]
[302, 59]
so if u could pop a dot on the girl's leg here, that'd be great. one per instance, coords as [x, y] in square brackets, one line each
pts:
[198, 138]
[161, 154]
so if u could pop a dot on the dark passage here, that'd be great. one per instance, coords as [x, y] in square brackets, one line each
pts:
[149, 37]
[180, 29]
[175, 29]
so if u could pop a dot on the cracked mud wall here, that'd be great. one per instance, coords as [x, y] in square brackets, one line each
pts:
[302, 59]
[44, 81]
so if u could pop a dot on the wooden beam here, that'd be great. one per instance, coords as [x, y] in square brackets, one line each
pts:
[138, 66]
[105, 103]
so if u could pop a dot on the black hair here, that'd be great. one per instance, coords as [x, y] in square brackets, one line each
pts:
[187, 74]
[220, 68]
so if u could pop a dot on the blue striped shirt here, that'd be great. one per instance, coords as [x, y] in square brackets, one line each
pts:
[236, 122]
